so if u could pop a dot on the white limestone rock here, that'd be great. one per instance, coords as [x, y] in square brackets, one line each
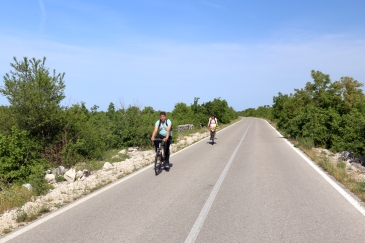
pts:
[123, 151]
[107, 166]
[70, 175]
[50, 178]
[28, 186]
[79, 174]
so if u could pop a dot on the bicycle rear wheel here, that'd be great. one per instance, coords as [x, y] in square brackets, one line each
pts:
[158, 163]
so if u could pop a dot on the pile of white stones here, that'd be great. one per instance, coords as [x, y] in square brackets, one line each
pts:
[353, 164]
[70, 175]
[182, 128]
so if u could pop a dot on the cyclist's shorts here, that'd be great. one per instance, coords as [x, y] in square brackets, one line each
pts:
[212, 127]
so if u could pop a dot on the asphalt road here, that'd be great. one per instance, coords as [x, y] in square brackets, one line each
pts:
[250, 186]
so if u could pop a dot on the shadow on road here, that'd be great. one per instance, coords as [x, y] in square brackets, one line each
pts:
[210, 142]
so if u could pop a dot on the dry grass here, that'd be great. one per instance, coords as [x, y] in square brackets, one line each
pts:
[22, 216]
[337, 170]
[90, 165]
[189, 132]
[15, 196]
[7, 230]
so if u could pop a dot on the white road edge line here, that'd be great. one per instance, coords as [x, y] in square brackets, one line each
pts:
[334, 184]
[205, 210]
[79, 201]
[74, 204]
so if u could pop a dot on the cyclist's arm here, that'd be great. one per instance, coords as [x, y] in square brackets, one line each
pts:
[208, 123]
[154, 133]
[168, 131]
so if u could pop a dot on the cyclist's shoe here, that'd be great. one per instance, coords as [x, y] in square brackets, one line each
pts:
[167, 165]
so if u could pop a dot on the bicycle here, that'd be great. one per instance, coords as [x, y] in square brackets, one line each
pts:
[159, 158]
[212, 134]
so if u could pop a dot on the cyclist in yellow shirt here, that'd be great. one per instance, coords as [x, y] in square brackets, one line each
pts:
[213, 123]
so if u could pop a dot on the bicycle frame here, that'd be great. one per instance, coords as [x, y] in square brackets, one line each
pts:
[160, 149]
[159, 162]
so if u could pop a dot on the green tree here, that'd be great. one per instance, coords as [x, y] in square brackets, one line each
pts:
[220, 109]
[34, 96]
[319, 89]
[148, 110]
[351, 133]
[182, 114]
[7, 120]
[19, 161]
[349, 94]
[111, 110]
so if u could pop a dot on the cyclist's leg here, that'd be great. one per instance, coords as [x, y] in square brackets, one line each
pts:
[167, 150]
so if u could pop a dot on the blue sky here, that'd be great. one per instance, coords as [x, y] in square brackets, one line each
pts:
[158, 53]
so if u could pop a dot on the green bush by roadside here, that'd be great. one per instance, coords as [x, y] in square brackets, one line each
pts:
[37, 133]
[329, 114]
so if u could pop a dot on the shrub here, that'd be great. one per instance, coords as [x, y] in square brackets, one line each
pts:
[19, 158]
[60, 178]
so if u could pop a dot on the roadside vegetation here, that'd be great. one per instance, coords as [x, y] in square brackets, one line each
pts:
[323, 114]
[38, 133]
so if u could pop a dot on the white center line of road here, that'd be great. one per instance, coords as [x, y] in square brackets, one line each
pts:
[203, 214]
[82, 200]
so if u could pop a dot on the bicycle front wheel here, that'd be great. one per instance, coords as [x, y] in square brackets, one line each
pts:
[158, 163]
